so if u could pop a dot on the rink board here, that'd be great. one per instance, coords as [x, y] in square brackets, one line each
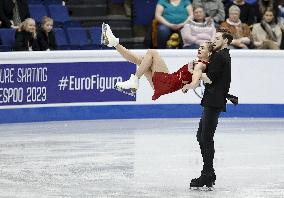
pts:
[32, 90]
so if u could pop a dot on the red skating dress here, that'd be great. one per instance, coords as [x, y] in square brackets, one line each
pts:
[165, 83]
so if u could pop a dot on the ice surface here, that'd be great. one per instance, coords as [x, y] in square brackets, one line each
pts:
[139, 158]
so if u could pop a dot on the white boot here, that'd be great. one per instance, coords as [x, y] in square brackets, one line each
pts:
[132, 83]
[107, 37]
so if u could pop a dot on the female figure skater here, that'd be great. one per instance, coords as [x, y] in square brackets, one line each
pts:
[156, 71]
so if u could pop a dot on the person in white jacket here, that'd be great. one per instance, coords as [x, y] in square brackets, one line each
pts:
[197, 31]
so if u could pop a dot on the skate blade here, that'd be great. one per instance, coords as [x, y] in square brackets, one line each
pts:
[201, 188]
[104, 40]
[133, 94]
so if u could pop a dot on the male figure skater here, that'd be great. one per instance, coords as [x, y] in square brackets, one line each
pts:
[213, 102]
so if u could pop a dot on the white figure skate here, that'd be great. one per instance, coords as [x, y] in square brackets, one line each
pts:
[132, 84]
[107, 37]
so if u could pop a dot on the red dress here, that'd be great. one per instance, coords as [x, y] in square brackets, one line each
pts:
[165, 83]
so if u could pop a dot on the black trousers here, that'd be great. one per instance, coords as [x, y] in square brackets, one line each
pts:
[205, 136]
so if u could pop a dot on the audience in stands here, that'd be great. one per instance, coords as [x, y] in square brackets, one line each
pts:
[267, 34]
[198, 30]
[45, 35]
[172, 15]
[240, 31]
[247, 14]
[26, 36]
[213, 9]
[13, 12]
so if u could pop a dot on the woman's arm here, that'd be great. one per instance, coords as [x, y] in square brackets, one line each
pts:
[197, 73]
[205, 78]
[190, 14]
[158, 15]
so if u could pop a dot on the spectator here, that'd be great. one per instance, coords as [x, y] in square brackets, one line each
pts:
[247, 14]
[13, 12]
[240, 31]
[197, 31]
[267, 34]
[213, 9]
[26, 37]
[172, 15]
[45, 35]
[262, 5]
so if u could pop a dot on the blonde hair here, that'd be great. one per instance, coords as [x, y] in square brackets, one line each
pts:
[24, 24]
[234, 8]
[46, 19]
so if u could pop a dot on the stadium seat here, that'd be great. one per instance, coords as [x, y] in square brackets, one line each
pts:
[52, 2]
[95, 33]
[37, 11]
[78, 38]
[61, 40]
[144, 11]
[7, 36]
[35, 2]
[68, 24]
[58, 13]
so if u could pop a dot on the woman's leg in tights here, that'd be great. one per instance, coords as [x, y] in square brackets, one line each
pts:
[148, 64]
[153, 62]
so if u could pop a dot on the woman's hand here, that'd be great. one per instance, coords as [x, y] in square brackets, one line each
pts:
[174, 26]
[186, 88]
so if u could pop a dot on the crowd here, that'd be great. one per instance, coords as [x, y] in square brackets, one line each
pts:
[28, 37]
[255, 24]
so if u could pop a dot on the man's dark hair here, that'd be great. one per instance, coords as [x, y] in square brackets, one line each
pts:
[226, 34]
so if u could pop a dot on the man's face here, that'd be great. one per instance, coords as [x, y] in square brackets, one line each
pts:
[218, 41]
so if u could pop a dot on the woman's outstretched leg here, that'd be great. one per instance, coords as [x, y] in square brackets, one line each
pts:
[150, 63]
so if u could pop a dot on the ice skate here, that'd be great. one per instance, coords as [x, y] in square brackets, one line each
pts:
[207, 180]
[129, 93]
[132, 84]
[107, 37]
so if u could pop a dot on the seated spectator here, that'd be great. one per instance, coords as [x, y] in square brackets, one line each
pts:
[13, 12]
[247, 11]
[213, 9]
[26, 37]
[197, 31]
[172, 15]
[262, 5]
[240, 31]
[45, 35]
[267, 34]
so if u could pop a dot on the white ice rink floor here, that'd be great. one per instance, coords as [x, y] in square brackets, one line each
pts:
[139, 158]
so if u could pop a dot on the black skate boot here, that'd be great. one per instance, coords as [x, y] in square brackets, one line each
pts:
[207, 180]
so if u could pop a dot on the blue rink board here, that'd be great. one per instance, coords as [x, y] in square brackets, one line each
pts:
[133, 112]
